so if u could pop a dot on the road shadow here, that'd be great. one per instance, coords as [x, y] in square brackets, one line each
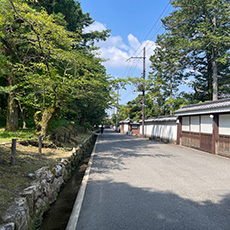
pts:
[112, 205]
[114, 148]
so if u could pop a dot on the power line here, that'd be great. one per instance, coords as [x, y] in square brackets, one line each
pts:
[152, 28]
[130, 68]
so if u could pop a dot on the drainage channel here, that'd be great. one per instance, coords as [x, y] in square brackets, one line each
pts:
[58, 216]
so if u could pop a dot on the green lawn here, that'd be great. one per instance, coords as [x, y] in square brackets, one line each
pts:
[26, 134]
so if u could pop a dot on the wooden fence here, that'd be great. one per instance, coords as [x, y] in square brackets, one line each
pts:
[13, 143]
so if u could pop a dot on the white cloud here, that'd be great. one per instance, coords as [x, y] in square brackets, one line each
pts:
[96, 26]
[114, 41]
[117, 52]
[116, 57]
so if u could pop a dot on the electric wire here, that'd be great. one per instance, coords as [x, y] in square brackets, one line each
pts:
[130, 68]
[152, 27]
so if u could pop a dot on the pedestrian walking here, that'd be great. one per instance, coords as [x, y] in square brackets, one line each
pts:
[102, 130]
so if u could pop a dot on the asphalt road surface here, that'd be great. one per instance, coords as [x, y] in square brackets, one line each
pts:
[140, 184]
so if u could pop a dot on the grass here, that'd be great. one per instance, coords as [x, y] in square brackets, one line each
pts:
[15, 178]
[6, 136]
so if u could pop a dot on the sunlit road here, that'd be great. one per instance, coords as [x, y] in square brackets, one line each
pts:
[141, 184]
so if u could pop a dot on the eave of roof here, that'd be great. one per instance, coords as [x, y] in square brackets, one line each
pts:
[218, 106]
[126, 121]
[161, 119]
[135, 123]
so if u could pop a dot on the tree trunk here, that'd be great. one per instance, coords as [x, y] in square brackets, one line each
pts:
[12, 113]
[82, 121]
[48, 114]
[171, 96]
[23, 115]
[214, 66]
[215, 79]
[209, 76]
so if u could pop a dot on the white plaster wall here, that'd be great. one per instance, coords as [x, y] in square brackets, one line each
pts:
[195, 126]
[185, 124]
[206, 124]
[126, 128]
[167, 130]
[148, 130]
[224, 124]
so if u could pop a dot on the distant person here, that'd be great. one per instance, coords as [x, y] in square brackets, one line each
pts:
[102, 130]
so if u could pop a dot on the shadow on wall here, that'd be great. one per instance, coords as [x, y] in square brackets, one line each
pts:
[126, 207]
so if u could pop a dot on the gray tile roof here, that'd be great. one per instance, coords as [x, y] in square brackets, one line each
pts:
[217, 106]
[135, 123]
[126, 121]
[160, 119]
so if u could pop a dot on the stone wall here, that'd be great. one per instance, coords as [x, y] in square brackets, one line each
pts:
[34, 200]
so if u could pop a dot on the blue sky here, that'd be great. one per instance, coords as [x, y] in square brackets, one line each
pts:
[134, 24]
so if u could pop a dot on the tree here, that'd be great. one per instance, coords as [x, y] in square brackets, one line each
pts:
[201, 29]
[45, 64]
[92, 94]
[74, 19]
[166, 73]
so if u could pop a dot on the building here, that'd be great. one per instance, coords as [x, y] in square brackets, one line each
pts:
[161, 128]
[125, 125]
[205, 126]
[135, 128]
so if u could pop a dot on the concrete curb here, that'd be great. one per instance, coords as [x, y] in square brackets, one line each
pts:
[72, 223]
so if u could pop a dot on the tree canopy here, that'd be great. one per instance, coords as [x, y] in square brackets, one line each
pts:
[194, 49]
[200, 30]
[47, 65]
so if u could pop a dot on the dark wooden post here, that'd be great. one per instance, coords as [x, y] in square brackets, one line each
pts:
[215, 133]
[179, 130]
[40, 144]
[13, 151]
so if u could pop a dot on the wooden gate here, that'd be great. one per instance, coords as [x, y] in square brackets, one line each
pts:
[206, 142]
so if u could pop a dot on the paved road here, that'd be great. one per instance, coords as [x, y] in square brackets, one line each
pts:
[139, 184]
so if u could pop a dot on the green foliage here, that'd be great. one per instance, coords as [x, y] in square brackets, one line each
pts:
[46, 61]
[195, 46]
[2, 122]
[201, 31]
[22, 134]
[124, 112]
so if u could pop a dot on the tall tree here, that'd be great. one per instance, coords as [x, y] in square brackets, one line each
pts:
[201, 28]
[46, 65]
[74, 19]
[166, 72]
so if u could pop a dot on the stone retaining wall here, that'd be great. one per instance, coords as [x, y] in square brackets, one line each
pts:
[34, 200]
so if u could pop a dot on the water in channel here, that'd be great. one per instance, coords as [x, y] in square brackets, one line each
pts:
[58, 216]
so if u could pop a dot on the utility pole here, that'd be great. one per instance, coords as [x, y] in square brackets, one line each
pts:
[117, 109]
[143, 93]
[143, 96]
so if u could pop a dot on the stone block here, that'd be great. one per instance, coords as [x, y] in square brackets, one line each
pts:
[18, 215]
[49, 195]
[39, 173]
[37, 189]
[57, 183]
[29, 194]
[40, 207]
[8, 226]
[66, 175]
[58, 170]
